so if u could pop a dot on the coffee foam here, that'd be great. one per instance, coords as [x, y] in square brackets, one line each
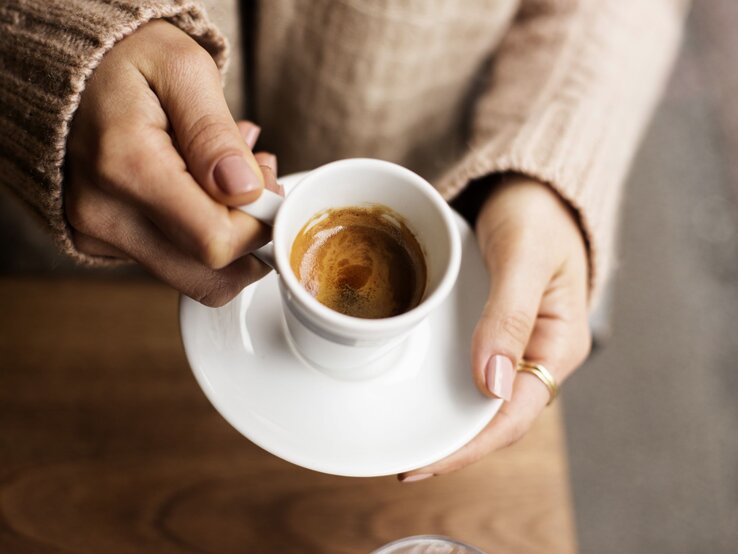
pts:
[309, 257]
[363, 262]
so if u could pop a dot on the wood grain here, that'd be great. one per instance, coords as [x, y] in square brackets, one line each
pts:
[108, 445]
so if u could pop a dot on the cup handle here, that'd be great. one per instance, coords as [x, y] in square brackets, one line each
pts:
[265, 209]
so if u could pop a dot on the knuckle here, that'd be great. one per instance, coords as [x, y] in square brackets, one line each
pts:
[191, 53]
[120, 161]
[517, 429]
[80, 212]
[216, 292]
[182, 56]
[516, 325]
[206, 134]
[214, 248]
[172, 42]
[175, 53]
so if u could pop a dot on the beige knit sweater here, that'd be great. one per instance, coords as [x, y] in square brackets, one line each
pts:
[559, 90]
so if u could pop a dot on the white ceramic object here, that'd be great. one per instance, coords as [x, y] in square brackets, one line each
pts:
[420, 405]
[333, 342]
[427, 544]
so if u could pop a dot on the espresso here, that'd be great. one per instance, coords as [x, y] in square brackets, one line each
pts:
[362, 262]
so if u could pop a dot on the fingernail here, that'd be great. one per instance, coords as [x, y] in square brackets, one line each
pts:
[271, 161]
[234, 175]
[251, 135]
[417, 477]
[500, 375]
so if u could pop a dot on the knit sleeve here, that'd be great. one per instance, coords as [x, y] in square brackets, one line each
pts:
[569, 93]
[48, 50]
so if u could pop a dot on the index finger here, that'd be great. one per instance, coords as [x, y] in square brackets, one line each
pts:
[188, 85]
[143, 167]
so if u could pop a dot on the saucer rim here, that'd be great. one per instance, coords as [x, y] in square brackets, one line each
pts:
[310, 462]
[307, 461]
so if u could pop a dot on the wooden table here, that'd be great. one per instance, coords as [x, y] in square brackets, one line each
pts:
[108, 445]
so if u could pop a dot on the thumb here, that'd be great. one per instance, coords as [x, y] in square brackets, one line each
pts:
[504, 329]
[209, 139]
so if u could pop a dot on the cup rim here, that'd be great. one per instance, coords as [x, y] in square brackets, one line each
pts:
[355, 325]
[387, 548]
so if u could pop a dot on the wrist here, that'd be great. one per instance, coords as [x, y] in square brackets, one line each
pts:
[522, 216]
[525, 199]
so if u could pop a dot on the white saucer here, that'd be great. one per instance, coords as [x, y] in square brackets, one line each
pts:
[424, 407]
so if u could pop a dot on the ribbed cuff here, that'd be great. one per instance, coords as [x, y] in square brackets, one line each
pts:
[578, 115]
[488, 161]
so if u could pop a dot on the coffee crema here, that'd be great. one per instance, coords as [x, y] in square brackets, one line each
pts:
[360, 261]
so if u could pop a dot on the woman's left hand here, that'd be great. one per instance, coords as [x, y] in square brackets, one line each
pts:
[536, 310]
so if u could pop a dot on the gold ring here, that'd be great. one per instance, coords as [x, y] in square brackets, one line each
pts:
[544, 376]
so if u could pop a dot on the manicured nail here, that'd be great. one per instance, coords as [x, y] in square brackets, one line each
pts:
[416, 477]
[500, 375]
[251, 135]
[271, 161]
[234, 175]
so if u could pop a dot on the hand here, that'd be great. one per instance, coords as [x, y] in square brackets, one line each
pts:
[536, 309]
[155, 162]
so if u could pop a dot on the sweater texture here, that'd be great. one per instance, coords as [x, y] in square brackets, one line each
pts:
[559, 90]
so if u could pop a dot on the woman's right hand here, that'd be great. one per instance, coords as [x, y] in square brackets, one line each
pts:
[156, 164]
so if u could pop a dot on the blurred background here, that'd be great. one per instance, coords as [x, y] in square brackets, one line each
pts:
[652, 417]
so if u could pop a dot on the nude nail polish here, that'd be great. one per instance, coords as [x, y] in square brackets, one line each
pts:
[252, 135]
[499, 376]
[418, 477]
[234, 175]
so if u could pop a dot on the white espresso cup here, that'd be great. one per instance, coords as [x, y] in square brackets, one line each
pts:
[329, 340]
